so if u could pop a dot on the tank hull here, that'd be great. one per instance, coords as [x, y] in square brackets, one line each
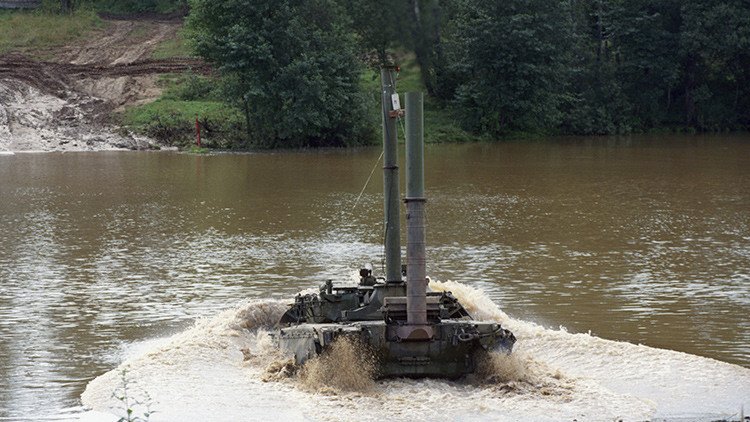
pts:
[450, 352]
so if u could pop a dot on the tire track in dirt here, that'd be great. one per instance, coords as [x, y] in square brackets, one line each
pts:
[66, 103]
[123, 41]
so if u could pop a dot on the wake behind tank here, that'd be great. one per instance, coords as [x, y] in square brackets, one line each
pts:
[410, 331]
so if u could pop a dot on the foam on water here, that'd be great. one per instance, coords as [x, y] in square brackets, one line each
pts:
[226, 368]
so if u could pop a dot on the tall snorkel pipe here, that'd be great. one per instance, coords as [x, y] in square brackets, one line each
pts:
[416, 283]
[390, 178]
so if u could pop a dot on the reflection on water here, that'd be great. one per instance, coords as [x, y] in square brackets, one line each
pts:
[642, 240]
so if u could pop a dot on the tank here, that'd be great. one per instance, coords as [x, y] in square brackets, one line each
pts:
[410, 331]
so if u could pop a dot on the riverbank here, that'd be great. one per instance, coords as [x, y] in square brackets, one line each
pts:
[63, 90]
[102, 82]
[171, 118]
[88, 82]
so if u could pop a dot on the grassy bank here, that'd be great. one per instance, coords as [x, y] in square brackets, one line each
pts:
[173, 122]
[31, 31]
[171, 119]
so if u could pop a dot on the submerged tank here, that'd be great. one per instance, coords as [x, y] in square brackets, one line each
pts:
[410, 331]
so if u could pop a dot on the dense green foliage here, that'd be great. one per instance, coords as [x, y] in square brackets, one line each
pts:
[290, 65]
[441, 123]
[138, 6]
[291, 73]
[117, 7]
[714, 47]
[380, 25]
[584, 66]
[508, 63]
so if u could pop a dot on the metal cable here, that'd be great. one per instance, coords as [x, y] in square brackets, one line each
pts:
[368, 180]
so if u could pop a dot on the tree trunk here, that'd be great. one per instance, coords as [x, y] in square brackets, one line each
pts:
[690, 107]
[246, 107]
[600, 33]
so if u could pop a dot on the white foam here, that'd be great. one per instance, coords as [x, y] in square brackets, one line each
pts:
[200, 374]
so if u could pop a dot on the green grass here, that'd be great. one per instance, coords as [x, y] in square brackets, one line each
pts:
[33, 30]
[195, 149]
[175, 47]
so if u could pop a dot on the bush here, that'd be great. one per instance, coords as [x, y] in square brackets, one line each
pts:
[192, 87]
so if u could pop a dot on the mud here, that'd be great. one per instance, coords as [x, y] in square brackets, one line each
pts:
[66, 102]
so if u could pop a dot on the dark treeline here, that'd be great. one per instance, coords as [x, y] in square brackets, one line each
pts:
[123, 7]
[514, 66]
[580, 66]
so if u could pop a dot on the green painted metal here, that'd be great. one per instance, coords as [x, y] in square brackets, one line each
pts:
[376, 316]
[414, 145]
[416, 283]
[452, 353]
[410, 331]
[390, 180]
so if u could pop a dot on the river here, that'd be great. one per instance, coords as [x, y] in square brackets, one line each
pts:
[104, 257]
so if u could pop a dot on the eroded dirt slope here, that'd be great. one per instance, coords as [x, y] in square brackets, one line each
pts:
[123, 41]
[65, 104]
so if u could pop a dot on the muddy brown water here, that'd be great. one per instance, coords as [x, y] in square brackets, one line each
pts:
[643, 239]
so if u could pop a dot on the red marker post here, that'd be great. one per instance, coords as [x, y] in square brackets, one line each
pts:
[197, 131]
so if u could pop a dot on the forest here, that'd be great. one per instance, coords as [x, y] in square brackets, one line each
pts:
[298, 72]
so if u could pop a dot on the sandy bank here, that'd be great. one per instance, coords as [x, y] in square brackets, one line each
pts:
[66, 104]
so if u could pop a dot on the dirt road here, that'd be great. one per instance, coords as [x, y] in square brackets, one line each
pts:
[66, 103]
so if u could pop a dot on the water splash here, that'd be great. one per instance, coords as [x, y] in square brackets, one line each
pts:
[226, 368]
[348, 366]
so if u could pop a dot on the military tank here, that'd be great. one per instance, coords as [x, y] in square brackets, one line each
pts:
[411, 331]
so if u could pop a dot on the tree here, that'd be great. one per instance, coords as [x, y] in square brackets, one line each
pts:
[645, 46]
[714, 45]
[511, 58]
[380, 25]
[595, 103]
[429, 18]
[291, 66]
